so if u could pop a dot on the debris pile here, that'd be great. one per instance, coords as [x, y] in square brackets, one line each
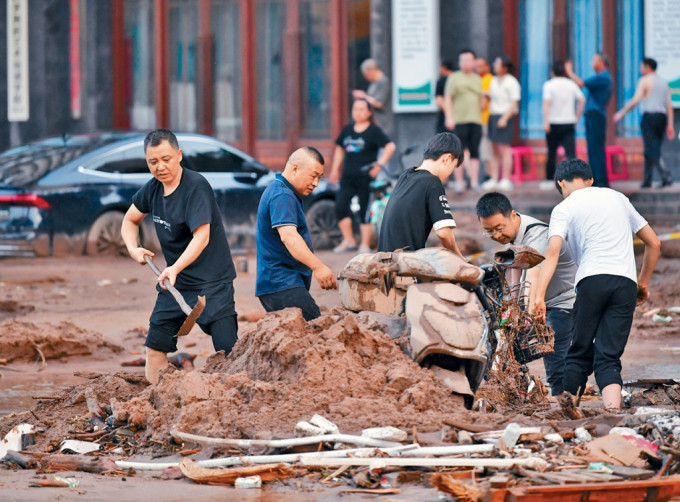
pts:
[285, 368]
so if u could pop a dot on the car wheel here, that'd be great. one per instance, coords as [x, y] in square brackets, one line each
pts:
[323, 225]
[104, 237]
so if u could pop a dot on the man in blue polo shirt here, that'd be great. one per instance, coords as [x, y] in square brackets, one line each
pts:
[285, 256]
[599, 88]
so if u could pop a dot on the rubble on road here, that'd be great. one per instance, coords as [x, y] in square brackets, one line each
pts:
[335, 401]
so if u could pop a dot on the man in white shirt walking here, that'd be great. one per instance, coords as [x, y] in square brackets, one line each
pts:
[563, 104]
[597, 224]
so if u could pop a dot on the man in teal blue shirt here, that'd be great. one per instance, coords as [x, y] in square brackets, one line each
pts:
[599, 88]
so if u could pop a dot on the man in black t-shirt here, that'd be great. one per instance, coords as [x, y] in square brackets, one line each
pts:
[418, 202]
[189, 228]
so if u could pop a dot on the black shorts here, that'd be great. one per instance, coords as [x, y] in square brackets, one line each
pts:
[218, 319]
[470, 135]
[501, 135]
[350, 186]
[295, 297]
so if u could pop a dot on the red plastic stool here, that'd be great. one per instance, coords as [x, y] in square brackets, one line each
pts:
[610, 152]
[518, 174]
[580, 152]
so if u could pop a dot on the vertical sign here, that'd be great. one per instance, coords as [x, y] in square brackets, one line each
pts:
[74, 58]
[415, 54]
[662, 41]
[17, 60]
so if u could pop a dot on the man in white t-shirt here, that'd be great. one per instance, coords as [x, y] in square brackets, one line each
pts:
[598, 225]
[563, 104]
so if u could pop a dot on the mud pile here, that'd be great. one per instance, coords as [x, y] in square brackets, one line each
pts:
[26, 341]
[286, 370]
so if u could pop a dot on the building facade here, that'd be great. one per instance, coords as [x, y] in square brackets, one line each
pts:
[271, 75]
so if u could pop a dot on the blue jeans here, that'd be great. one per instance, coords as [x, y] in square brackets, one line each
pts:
[560, 320]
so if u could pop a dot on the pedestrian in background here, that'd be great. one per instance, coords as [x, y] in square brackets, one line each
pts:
[654, 97]
[463, 110]
[504, 96]
[445, 69]
[483, 69]
[599, 88]
[563, 104]
[378, 94]
[285, 255]
[355, 164]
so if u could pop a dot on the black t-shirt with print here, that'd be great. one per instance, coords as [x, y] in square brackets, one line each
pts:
[361, 148]
[176, 216]
[416, 204]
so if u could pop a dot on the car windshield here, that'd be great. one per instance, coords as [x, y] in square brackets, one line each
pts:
[26, 164]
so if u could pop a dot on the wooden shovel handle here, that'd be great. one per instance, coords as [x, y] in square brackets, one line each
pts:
[173, 291]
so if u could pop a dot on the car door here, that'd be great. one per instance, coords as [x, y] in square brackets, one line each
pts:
[238, 182]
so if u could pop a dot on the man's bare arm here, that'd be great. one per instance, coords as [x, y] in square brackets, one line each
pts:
[649, 259]
[448, 240]
[299, 250]
[552, 255]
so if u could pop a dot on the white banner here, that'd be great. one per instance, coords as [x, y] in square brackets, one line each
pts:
[662, 41]
[17, 60]
[415, 55]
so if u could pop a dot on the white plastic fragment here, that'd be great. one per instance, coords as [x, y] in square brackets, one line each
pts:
[581, 435]
[388, 433]
[78, 446]
[305, 429]
[624, 431]
[554, 438]
[13, 440]
[511, 435]
[326, 426]
[248, 482]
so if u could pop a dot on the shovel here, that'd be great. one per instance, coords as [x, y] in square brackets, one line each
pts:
[192, 314]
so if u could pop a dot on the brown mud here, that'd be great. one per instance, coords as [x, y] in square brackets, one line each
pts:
[25, 341]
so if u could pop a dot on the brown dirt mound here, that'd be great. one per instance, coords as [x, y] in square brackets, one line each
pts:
[19, 339]
[286, 370]
[14, 307]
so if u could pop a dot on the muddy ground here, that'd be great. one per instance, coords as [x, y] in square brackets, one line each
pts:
[63, 315]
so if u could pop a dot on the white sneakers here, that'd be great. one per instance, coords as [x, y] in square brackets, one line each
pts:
[504, 184]
[365, 249]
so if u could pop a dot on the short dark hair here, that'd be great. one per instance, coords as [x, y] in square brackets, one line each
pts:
[570, 169]
[649, 62]
[443, 143]
[603, 57]
[157, 136]
[314, 153]
[507, 62]
[447, 64]
[493, 203]
[558, 69]
[466, 51]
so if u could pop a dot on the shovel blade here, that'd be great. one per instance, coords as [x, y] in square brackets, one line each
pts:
[192, 317]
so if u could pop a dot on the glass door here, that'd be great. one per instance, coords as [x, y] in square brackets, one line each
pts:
[225, 25]
[183, 35]
[139, 54]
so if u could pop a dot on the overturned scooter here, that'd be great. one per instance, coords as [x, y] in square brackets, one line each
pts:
[452, 308]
